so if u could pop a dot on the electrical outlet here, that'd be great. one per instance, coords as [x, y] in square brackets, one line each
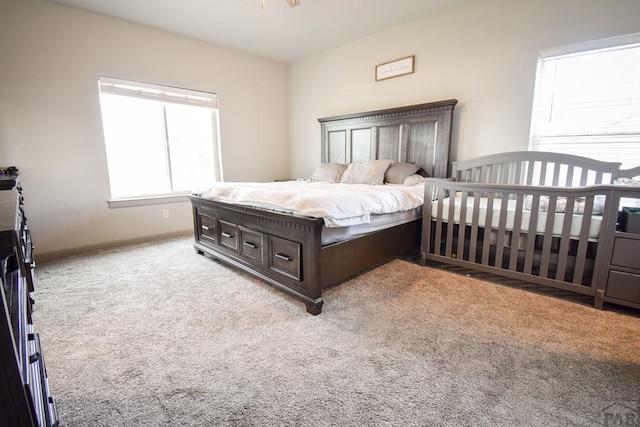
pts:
[165, 213]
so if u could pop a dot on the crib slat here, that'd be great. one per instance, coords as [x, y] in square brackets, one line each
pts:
[556, 174]
[462, 229]
[429, 197]
[548, 236]
[543, 174]
[439, 222]
[425, 244]
[506, 173]
[565, 238]
[477, 174]
[583, 177]
[598, 178]
[531, 237]
[515, 236]
[487, 173]
[583, 241]
[496, 172]
[473, 240]
[530, 170]
[518, 175]
[569, 177]
[488, 222]
[502, 226]
[450, 224]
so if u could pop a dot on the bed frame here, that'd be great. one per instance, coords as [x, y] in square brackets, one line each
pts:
[496, 242]
[285, 250]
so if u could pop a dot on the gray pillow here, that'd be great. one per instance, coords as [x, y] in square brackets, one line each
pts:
[398, 172]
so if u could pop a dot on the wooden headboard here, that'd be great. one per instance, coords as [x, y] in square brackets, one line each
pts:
[418, 134]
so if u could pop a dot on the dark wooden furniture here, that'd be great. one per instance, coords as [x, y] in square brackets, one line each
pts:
[9, 181]
[285, 250]
[623, 282]
[24, 392]
[527, 235]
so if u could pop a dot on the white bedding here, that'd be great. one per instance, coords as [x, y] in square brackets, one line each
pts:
[340, 205]
[558, 221]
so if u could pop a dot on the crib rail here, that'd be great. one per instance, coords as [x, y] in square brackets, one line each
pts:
[633, 173]
[554, 236]
[536, 168]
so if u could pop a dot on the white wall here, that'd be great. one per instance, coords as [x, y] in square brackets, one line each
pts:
[481, 52]
[50, 57]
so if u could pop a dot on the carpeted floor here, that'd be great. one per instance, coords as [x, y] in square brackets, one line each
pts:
[155, 335]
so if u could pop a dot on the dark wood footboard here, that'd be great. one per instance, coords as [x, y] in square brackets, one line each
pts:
[285, 250]
[280, 249]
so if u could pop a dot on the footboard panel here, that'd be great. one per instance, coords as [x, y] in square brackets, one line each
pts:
[559, 237]
[343, 260]
[280, 249]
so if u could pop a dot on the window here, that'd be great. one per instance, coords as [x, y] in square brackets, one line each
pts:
[587, 101]
[160, 141]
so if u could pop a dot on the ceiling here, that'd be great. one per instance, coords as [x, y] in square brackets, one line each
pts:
[278, 32]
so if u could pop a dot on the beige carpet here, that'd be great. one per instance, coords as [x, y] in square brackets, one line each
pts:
[155, 335]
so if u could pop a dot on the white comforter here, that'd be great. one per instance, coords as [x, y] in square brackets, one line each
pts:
[340, 205]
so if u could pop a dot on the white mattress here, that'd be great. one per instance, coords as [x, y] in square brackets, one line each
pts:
[576, 220]
[377, 222]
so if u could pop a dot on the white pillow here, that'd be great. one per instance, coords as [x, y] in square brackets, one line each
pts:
[413, 179]
[369, 172]
[328, 172]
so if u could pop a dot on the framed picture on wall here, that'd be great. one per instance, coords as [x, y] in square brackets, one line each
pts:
[396, 68]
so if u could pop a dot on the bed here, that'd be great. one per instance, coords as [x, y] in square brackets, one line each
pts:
[300, 254]
[546, 218]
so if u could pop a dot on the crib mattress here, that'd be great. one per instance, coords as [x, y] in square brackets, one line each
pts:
[577, 220]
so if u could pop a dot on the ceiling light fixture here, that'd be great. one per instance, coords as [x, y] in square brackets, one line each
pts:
[291, 3]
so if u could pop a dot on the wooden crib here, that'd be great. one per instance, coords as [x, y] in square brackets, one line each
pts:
[547, 218]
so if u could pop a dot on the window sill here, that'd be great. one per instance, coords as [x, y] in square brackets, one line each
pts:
[145, 201]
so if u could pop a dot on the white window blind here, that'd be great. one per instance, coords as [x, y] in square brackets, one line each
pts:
[159, 140]
[587, 101]
[154, 92]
